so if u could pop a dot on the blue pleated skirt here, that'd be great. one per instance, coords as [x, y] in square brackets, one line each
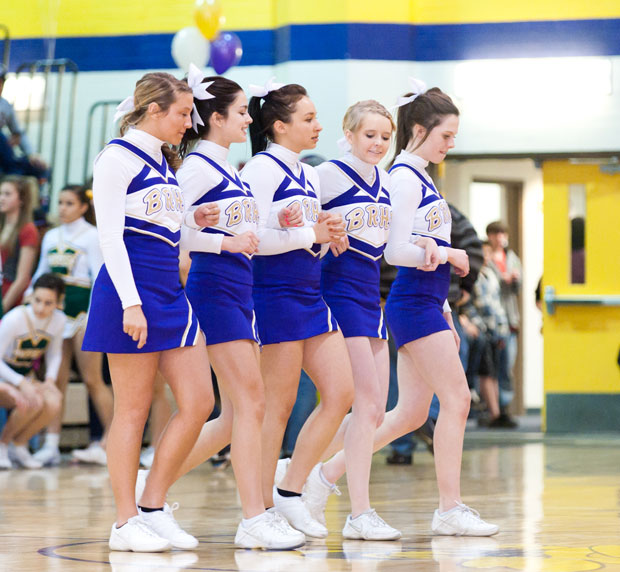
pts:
[170, 319]
[224, 307]
[355, 304]
[414, 308]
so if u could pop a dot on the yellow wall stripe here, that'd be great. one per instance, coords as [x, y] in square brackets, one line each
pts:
[40, 18]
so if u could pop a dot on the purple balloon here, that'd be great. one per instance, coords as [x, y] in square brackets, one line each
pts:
[226, 52]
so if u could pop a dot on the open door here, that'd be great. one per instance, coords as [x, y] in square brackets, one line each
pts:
[581, 292]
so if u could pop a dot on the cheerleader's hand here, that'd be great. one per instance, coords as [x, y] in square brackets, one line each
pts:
[246, 242]
[459, 259]
[134, 324]
[291, 216]
[432, 257]
[329, 228]
[339, 247]
[207, 214]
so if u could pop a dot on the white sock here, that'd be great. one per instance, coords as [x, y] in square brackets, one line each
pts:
[324, 479]
[52, 440]
[361, 514]
[247, 522]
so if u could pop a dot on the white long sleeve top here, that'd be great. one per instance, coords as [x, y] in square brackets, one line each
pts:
[74, 247]
[159, 207]
[418, 210]
[269, 183]
[25, 338]
[201, 182]
[367, 215]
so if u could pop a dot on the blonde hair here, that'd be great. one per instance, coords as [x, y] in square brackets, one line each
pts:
[356, 113]
[26, 190]
[162, 89]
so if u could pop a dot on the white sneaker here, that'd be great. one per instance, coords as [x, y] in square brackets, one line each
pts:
[48, 456]
[94, 454]
[136, 536]
[162, 522]
[270, 532]
[21, 455]
[5, 462]
[141, 483]
[296, 512]
[147, 456]
[462, 521]
[281, 469]
[316, 492]
[369, 526]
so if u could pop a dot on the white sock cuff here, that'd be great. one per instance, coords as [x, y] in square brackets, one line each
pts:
[247, 522]
[52, 440]
[324, 479]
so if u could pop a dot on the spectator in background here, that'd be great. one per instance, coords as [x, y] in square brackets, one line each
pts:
[19, 238]
[507, 266]
[26, 162]
[27, 334]
[486, 303]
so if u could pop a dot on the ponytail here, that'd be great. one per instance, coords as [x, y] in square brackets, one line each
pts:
[278, 105]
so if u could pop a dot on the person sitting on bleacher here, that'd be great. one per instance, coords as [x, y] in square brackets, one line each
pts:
[28, 333]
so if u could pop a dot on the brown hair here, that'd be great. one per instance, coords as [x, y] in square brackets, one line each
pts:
[428, 110]
[26, 190]
[278, 105]
[496, 227]
[355, 114]
[162, 89]
[225, 92]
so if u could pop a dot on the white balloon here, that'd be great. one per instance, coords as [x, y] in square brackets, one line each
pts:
[190, 46]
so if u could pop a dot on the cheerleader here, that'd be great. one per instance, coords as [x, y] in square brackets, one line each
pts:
[72, 251]
[417, 309]
[139, 313]
[219, 287]
[295, 325]
[357, 189]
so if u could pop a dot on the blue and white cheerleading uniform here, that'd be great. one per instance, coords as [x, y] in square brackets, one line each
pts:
[358, 191]
[287, 268]
[418, 299]
[219, 285]
[139, 210]
[72, 251]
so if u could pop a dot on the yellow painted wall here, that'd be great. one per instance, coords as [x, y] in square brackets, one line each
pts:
[581, 342]
[37, 18]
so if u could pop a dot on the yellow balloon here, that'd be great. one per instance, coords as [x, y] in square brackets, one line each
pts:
[208, 17]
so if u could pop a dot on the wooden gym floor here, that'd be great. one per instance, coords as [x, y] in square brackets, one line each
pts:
[557, 501]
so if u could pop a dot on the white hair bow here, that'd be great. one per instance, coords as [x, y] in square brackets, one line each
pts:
[263, 90]
[199, 90]
[343, 145]
[126, 106]
[418, 87]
